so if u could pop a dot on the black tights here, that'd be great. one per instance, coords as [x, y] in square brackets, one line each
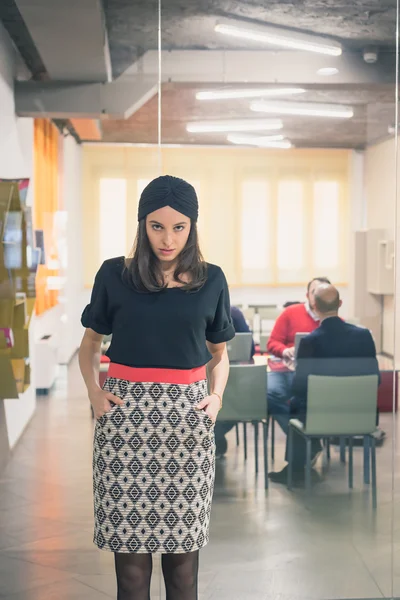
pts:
[134, 574]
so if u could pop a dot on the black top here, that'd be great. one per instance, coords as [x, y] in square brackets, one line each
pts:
[166, 329]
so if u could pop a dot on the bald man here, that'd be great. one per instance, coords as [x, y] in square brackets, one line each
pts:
[336, 348]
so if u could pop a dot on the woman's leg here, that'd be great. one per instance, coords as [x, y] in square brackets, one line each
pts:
[180, 575]
[133, 575]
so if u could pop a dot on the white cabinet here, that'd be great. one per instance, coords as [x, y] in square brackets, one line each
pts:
[380, 261]
[46, 367]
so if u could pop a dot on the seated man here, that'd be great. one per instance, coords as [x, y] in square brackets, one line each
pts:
[294, 319]
[336, 349]
[222, 427]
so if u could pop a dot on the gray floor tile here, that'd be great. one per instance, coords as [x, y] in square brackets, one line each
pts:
[274, 545]
[19, 576]
[66, 590]
[107, 583]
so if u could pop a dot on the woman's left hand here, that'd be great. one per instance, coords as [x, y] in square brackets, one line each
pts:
[210, 405]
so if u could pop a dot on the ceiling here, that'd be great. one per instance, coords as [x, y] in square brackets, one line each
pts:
[132, 25]
[374, 108]
[188, 26]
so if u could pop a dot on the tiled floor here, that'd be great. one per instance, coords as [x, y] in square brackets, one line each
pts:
[264, 546]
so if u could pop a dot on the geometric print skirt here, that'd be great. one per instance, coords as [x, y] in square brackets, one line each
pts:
[153, 463]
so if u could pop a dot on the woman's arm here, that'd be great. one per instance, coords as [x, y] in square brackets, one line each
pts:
[89, 359]
[89, 363]
[218, 369]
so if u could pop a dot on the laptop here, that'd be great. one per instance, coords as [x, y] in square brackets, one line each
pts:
[239, 349]
[297, 339]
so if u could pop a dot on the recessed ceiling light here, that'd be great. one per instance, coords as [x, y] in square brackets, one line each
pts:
[304, 109]
[226, 94]
[234, 125]
[268, 141]
[328, 71]
[277, 36]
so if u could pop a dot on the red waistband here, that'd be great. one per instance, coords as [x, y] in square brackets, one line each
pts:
[152, 375]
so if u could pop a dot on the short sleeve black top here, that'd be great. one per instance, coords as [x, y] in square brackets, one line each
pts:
[166, 329]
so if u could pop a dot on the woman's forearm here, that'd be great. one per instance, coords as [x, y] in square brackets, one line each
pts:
[218, 370]
[89, 363]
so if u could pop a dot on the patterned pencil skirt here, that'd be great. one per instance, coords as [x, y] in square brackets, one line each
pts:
[153, 463]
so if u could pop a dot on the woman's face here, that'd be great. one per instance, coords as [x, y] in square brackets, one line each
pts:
[168, 231]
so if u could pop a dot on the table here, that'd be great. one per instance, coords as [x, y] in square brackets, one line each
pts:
[389, 381]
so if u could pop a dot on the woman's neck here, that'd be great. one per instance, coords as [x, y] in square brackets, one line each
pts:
[167, 267]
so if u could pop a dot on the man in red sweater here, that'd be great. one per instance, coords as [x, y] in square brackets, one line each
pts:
[294, 319]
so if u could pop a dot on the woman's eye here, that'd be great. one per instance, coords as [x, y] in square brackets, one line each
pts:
[156, 227]
[179, 228]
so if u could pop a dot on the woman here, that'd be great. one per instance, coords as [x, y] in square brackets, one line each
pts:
[154, 451]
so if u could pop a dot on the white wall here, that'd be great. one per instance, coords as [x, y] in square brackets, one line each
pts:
[16, 158]
[13, 154]
[74, 297]
[380, 190]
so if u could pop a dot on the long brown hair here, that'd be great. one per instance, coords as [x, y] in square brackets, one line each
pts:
[144, 272]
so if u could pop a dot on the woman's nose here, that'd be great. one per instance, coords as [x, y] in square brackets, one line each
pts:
[167, 239]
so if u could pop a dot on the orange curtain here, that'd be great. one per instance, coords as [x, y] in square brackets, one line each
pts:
[46, 204]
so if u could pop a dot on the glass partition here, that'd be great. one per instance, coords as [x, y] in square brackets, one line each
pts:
[284, 117]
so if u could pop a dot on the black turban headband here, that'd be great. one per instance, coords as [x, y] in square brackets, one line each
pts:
[169, 191]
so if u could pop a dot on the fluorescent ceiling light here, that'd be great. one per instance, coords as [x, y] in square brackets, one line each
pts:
[269, 141]
[277, 36]
[328, 71]
[234, 125]
[254, 139]
[226, 94]
[304, 109]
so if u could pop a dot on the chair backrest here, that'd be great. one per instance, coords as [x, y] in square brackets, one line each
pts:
[297, 339]
[239, 349]
[245, 396]
[264, 338]
[342, 405]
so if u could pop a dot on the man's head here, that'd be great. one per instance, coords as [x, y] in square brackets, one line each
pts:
[326, 301]
[312, 286]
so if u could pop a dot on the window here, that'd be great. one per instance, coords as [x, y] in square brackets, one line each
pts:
[266, 218]
[290, 228]
[141, 184]
[326, 225]
[255, 239]
[112, 230]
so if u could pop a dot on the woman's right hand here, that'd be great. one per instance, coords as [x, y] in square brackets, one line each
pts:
[101, 402]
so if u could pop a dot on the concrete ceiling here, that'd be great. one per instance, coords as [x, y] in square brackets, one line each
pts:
[133, 24]
[189, 25]
[74, 46]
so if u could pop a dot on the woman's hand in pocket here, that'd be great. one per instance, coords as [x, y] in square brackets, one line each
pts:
[210, 405]
[101, 401]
